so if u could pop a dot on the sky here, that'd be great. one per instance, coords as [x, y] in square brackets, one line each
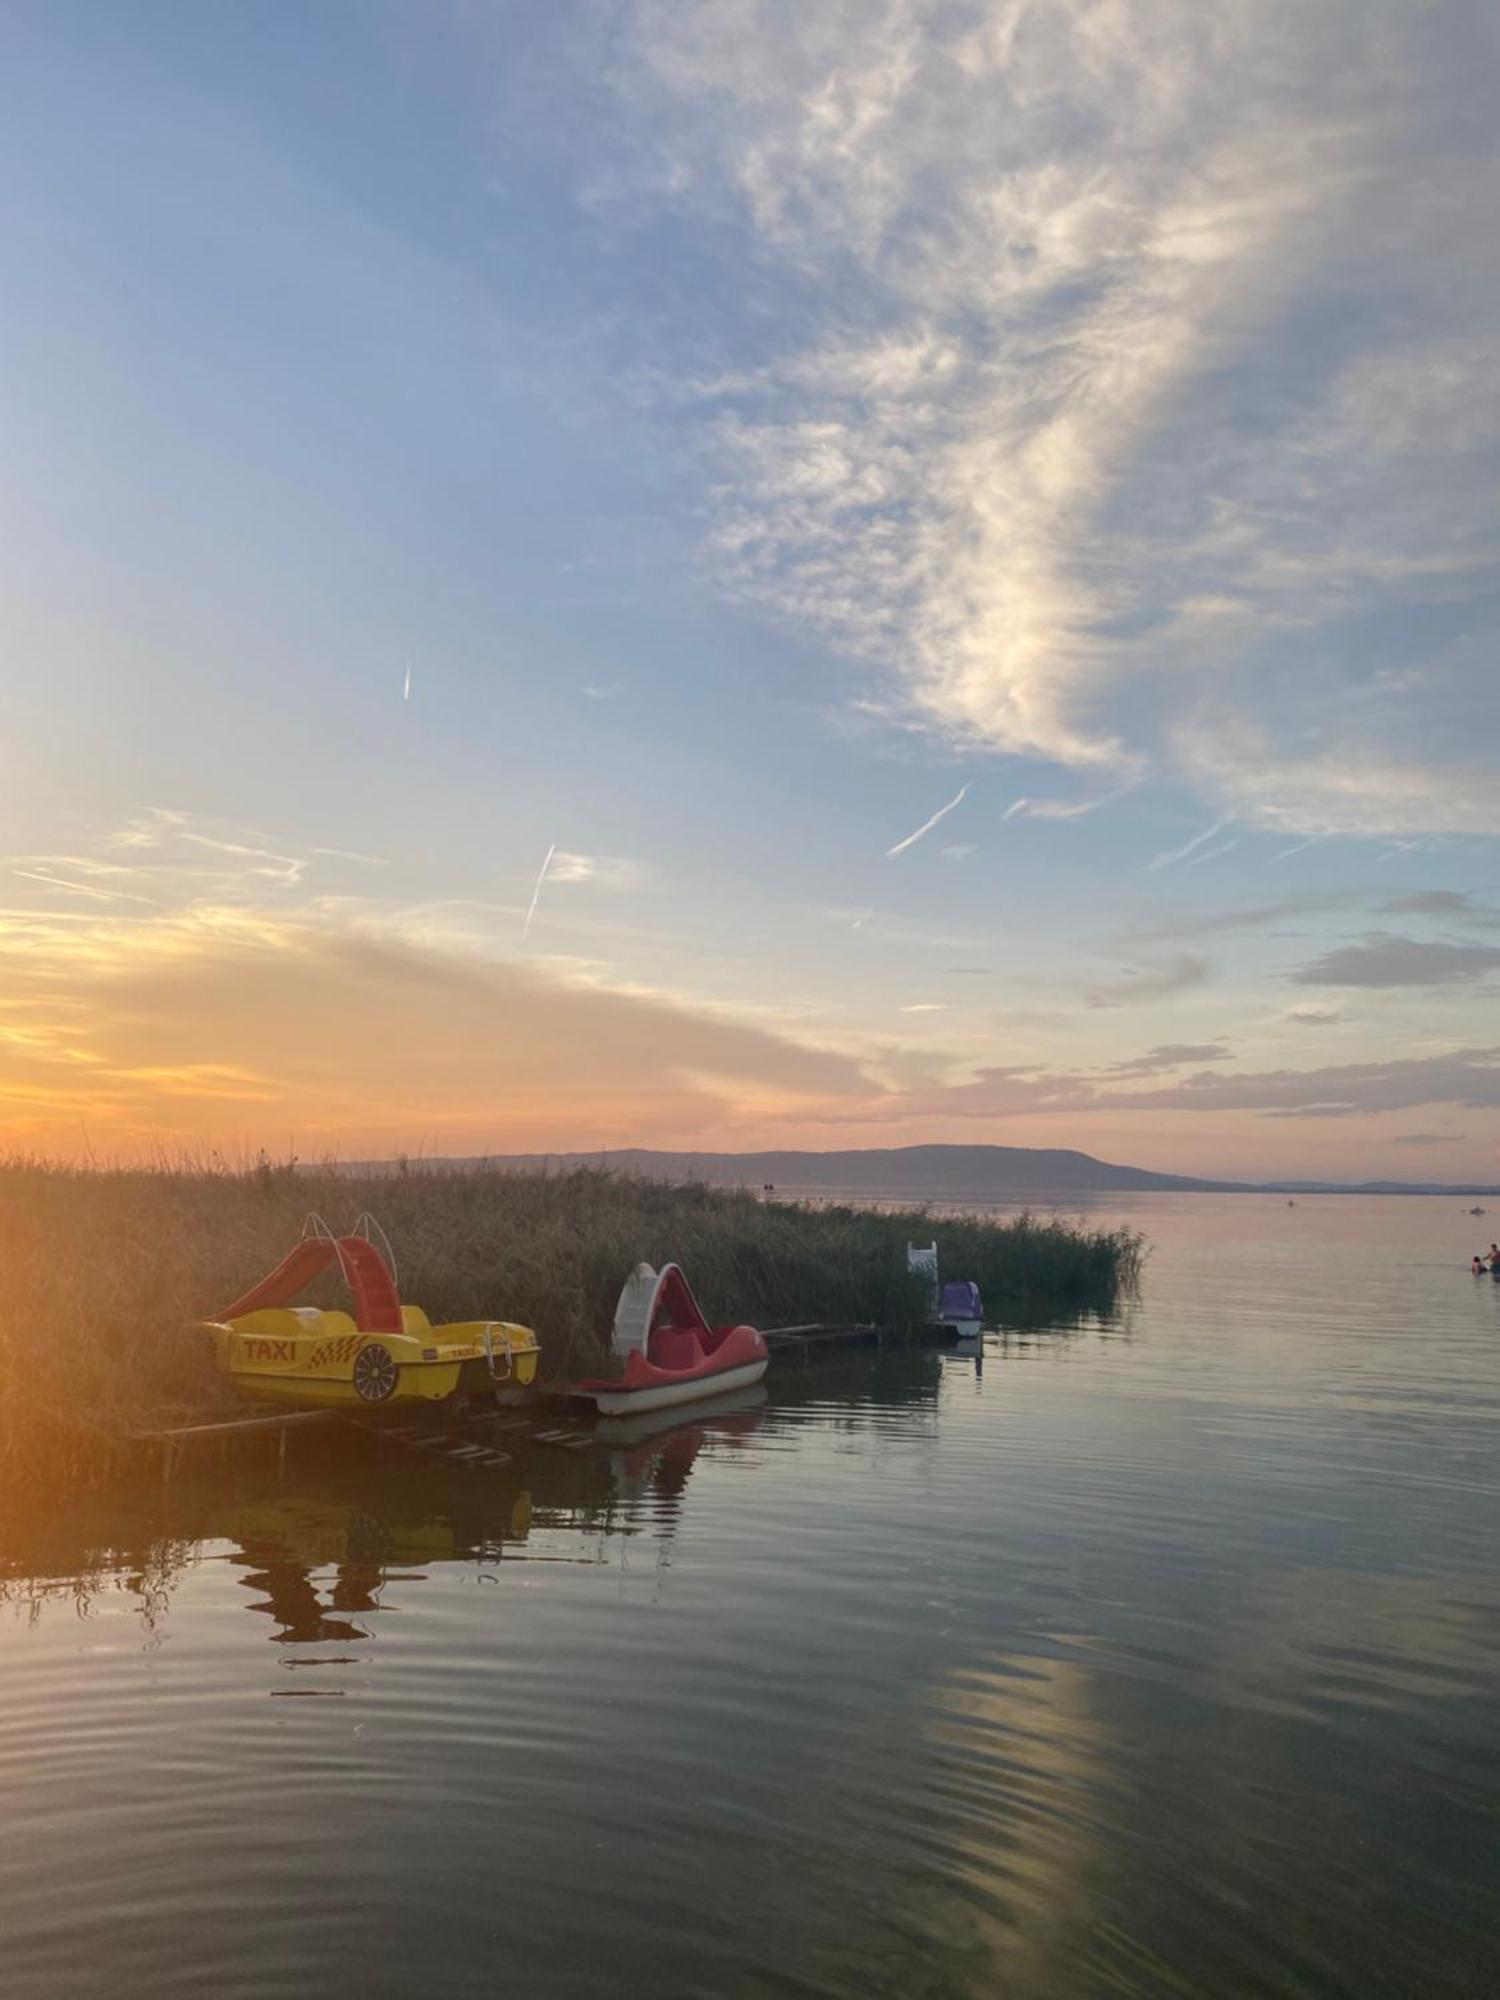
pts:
[731, 575]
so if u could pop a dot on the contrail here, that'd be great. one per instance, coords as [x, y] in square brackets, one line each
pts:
[1181, 853]
[927, 825]
[1301, 847]
[536, 892]
[406, 691]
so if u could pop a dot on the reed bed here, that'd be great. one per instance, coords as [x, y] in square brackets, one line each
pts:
[106, 1272]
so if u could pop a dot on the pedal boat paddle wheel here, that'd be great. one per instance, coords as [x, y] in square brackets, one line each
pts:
[382, 1352]
[671, 1353]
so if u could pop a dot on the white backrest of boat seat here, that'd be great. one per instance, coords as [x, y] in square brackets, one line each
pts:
[634, 1312]
[923, 1257]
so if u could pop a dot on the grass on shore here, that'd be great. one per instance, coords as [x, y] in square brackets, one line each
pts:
[104, 1273]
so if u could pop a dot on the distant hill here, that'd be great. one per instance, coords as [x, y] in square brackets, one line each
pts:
[941, 1172]
[936, 1173]
[1381, 1187]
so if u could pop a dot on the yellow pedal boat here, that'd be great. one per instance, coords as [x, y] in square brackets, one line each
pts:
[384, 1352]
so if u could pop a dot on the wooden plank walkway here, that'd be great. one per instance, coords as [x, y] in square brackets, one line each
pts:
[816, 1338]
[454, 1444]
[273, 1423]
[238, 1426]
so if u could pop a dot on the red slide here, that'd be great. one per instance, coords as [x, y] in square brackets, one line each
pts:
[377, 1305]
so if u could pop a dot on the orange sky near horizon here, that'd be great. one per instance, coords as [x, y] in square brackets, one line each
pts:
[222, 1031]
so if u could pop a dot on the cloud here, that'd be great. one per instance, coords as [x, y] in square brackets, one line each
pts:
[604, 871]
[1309, 1015]
[235, 1025]
[150, 829]
[1469, 1078]
[1177, 974]
[1059, 808]
[1383, 959]
[90, 891]
[288, 868]
[1360, 791]
[1460, 907]
[170, 850]
[1160, 926]
[1169, 1056]
[1235, 918]
[1425, 1139]
[228, 1024]
[1096, 371]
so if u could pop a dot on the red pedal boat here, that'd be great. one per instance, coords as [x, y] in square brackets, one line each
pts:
[672, 1354]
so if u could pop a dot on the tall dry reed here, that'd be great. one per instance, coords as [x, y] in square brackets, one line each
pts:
[104, 1273]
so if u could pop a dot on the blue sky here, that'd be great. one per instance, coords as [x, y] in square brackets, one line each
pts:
[750, 428]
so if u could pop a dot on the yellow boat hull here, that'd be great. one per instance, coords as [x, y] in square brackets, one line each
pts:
[297, 1354]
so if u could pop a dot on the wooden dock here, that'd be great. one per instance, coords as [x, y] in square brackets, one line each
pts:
[271, 1423]
[479, 1440]
[802, 1342]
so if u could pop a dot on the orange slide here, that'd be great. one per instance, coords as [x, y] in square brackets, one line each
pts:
[377, 1304]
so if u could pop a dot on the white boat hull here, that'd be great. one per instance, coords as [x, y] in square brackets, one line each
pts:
[664, 1395]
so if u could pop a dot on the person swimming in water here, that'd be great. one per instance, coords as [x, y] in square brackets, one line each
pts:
[1477, 1267]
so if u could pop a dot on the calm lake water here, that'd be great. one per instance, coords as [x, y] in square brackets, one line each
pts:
[1154, 1657]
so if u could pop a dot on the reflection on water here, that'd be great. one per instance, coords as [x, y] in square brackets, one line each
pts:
[1156, 1656]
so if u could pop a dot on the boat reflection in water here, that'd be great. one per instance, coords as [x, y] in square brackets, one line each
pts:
[317, 1542]
[318, 1561]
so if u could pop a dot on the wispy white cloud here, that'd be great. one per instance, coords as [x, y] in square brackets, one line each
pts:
[149, 829]
[90, 890]
[1362, 790]
[1141, 350]
[288, 868]
[605, 871]
[1059, 808]
[352, 854]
